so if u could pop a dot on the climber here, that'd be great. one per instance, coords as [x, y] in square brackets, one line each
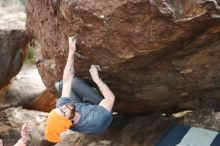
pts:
[81, 108]
[24, 137]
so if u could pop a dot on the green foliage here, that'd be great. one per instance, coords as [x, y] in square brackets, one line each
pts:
[30, 55]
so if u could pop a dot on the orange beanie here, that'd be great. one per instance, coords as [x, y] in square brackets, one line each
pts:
[56, 124]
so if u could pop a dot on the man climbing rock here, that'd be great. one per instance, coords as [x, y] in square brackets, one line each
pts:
[81, 108]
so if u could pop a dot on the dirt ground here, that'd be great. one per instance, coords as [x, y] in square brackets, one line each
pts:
[25, 87]
[12, 9]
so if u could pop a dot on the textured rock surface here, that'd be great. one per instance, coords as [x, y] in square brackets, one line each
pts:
[13, 118]
[133, 131]
[43, 102]
[154, 54]
[125, 130]
[13, 46]
[205, 118]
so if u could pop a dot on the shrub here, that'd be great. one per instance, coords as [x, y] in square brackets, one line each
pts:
[30, 55]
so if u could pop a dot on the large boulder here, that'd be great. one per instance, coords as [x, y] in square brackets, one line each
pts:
[146, 130]
[12, 120]
[125, 130]
[154, 54]
[43, 102]
[13, 47]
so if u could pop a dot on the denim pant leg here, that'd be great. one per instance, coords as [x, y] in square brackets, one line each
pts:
[73, 96]
[87, 94]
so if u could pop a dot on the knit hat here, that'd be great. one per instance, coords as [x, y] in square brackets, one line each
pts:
[56, 124]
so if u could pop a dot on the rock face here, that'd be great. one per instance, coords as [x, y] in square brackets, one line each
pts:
[13, 47]
[43, 102]
[133, 131]
[154, 54]
[124, 130]
[12, 120]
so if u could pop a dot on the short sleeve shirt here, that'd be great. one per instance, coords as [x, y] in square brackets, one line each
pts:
[94, 119]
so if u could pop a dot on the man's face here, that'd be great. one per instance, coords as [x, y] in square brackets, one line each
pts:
[68, 111]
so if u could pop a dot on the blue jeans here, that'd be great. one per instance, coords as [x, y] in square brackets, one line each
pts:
[82, 93]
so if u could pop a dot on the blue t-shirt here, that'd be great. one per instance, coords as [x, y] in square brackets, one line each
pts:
[94, 119]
